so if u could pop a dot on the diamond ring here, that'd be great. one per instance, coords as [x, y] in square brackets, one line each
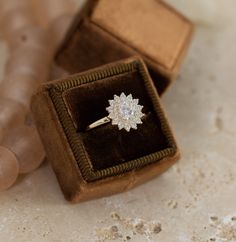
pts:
[124, 111]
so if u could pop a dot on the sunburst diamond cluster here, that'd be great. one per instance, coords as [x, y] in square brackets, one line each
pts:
[125, 112]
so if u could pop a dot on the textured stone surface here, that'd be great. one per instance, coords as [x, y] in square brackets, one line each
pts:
[193, 202]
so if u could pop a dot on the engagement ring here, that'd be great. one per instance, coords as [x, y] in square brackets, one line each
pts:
[124, 111]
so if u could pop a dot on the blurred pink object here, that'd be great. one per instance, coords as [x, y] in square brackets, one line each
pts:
[14, 17]
[25, 143]
[9, 168]
[31, 55]
[12, 113]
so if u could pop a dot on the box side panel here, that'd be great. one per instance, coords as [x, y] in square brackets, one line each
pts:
[125, 182]
[57, 149]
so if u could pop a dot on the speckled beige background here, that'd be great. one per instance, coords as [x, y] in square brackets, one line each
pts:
[195, 201]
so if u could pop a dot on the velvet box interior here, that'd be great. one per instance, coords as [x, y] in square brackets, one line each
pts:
[106, 31]
[105, 153]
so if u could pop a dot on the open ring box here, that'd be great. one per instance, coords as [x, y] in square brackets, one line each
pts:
[104, 160]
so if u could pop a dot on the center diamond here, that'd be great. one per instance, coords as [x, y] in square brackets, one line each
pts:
[126, 111]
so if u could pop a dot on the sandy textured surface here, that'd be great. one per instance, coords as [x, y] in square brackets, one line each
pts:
[195, 201]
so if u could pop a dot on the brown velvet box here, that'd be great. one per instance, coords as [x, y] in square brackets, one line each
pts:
[106, 31]
[104, 160]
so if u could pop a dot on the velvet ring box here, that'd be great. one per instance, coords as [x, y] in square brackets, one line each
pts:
[105, 31]
[104, 160]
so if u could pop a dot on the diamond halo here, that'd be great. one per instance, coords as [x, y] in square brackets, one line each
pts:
[125, 112]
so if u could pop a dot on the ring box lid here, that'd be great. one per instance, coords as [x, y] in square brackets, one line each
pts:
[150, 28]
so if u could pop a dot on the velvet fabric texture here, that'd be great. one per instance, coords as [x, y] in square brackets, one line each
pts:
[104, 160]
[106, 145]
[104, 32]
